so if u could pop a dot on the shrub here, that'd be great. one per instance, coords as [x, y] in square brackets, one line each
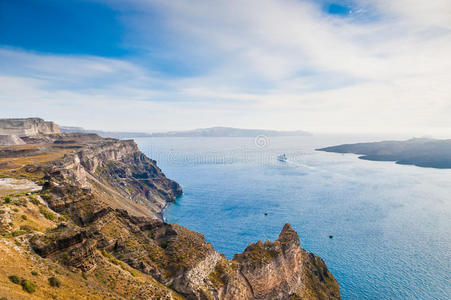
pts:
[27, 228]
[85, 277]
[65, 258]
[7, 200]
[45, 196]
[106, 254]
[34, 273]
[21, 202]
[18, 232]
[47, 214]
[40, 182]
[34, 201]
[15, 209]
[164, 244]
[14, 279]
[28, 286]
[55, 282]
[24, 217]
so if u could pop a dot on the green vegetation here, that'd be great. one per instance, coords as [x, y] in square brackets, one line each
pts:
[34, 200]
[7, 200]
[133, 273]
[28, 286]
[106, 254]
[18, 233]
[20, 202]
[27, 228]
[47, 214]
[40, 182]
[55, 282]
[65, 257]
[34, 273]
[164, 244]
[14, 279]
[45, 196]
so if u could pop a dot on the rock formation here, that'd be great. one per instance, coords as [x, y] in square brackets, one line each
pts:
[11, 140]
[27, 127]
[102, 201]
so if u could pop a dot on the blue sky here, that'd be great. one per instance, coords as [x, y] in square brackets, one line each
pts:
[324, 66]
[62, 27]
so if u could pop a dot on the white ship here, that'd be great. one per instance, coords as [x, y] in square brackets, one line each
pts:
[282, 157]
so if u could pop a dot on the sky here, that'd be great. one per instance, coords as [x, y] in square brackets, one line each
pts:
[153, 65]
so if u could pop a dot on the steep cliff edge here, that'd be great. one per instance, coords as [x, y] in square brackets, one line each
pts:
[96, 226]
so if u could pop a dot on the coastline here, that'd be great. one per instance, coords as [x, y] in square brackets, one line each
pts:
[95, 207]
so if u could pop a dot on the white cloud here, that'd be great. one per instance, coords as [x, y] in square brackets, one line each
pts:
[267, 63]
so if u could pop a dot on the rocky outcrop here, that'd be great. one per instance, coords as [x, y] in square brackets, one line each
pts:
[27, 127]
[11, 140]
[282, 269]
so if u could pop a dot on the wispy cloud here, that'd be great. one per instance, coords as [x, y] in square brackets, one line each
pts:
[266, 63]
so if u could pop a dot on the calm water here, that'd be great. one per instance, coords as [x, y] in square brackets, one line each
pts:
[391, 223]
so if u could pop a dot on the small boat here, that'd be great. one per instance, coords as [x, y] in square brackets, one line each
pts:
[331, 236]
[282, 157]
[266, 213]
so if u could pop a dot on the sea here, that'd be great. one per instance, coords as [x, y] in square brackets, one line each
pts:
[391, 224]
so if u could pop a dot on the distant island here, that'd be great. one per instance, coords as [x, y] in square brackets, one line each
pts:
[105, 134]
[202, 132]
[421, 152]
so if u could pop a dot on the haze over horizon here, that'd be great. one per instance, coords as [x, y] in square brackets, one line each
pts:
[151, 65]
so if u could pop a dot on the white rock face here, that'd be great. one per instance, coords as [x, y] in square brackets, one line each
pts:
[11, 140]
[27, 127]
[10, 185]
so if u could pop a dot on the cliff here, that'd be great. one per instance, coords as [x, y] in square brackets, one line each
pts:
[27, 127]
[95, 226]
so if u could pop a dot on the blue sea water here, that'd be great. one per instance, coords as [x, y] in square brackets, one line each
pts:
[391, 223]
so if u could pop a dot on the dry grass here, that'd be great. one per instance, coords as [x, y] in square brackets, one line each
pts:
[111, 279]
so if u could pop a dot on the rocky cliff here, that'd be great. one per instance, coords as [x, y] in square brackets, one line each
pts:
[27, 127]
[97, 220]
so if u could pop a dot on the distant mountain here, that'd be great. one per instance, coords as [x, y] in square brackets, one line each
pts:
[421, 152]
[228, 132]
[203, 132]
[106, 134]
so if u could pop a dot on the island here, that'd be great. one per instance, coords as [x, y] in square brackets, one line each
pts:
[81, 218]
[421, 152]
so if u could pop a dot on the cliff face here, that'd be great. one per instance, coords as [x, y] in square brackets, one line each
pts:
[114, 171]
[27, 127]
[106, 197]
